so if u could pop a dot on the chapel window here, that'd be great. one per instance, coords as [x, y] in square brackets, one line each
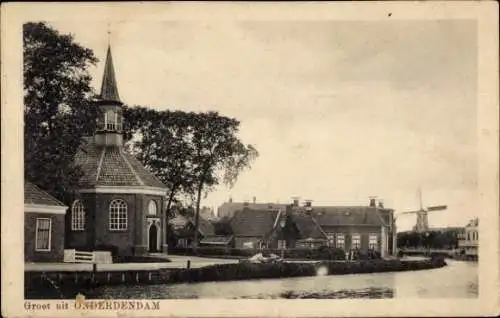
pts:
[77, 216]
[118, 217]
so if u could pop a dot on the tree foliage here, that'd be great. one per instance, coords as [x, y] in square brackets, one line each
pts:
[218, 154]
[190, 152]
[447, 239]
[161, 141]
[57, 108]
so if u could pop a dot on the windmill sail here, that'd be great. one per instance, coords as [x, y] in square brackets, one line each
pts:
[436, 208]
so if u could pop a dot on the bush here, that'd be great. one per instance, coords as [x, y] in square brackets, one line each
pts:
[323, 253]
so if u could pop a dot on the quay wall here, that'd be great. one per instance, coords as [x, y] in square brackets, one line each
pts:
[67, 285]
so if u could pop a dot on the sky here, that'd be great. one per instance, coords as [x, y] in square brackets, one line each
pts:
[338, 110]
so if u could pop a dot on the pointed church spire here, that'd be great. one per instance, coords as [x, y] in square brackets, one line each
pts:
[109, 89]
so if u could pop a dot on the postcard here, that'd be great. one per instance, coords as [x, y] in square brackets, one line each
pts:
[250, 159]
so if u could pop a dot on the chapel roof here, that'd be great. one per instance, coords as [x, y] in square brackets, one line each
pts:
[112, 166]
[109, 88]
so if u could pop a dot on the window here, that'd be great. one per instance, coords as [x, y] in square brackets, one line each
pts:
[152, 208]
[43, 228]
[182, 242]
[113, 120]
[356, 241]
[77, 216]
[373, 241]
[331, 238]
[468, 236]
[281, 244]
[118, 215]
[341, 241]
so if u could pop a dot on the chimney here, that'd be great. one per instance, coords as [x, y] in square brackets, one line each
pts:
[372, 202]
[295, 201]
[380, 204]
[254, 200]
[308, 205]
[230, 199]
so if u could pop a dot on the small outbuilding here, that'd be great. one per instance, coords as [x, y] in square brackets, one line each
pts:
[44, 218]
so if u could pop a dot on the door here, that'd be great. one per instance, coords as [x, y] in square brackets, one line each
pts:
[153, 238]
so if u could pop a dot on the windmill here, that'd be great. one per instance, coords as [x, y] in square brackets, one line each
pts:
[422, 224]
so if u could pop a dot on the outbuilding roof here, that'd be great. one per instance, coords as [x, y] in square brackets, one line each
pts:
[35, 195]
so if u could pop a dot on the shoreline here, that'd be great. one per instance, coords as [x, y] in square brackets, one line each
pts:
[66, 285]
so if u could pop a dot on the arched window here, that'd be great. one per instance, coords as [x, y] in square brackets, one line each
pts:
[152, 208]
[118, 215]
[113, 120]
[77, 216]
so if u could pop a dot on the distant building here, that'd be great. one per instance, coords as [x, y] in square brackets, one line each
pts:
[207, 213]
[43, 226]
[252, 228]
[182, 229]
[229, 208]
[469, 239]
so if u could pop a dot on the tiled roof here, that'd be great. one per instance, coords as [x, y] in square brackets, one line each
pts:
[35, 195]
[250, 222]
[348, 215]
[307, 226]
[180, 222]
[112, 166]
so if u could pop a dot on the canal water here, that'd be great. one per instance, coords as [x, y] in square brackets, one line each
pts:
[457, 280]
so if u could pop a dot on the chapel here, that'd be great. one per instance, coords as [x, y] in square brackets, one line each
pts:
[120, 203]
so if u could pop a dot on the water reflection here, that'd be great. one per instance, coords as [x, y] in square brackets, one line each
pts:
[457, 280]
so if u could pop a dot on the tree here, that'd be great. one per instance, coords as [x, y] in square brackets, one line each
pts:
[218, 155]
[161, 140]
[57, 106]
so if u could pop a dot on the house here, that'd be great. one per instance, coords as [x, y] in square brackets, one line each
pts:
[252, 228]
[119, 204]
[356, 227]
[44, 223]
[469, 239]
[182, 233]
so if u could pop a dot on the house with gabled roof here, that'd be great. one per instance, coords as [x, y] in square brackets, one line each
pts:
[119, 204]
[44, 225]
[182, 229]
[252, 228]
[356, 227]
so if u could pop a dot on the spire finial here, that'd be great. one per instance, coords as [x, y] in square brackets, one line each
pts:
[109, 35]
